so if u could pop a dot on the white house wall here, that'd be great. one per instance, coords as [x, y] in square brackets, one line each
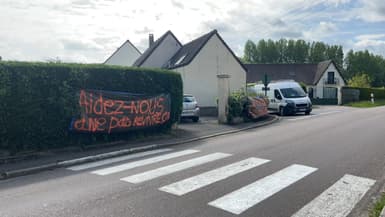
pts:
[125, 56]
[200, 76]
[162, 53]
[321, 84]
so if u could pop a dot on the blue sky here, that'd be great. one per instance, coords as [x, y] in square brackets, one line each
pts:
[89, 31]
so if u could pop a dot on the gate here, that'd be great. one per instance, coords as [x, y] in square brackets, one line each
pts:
[330, 93]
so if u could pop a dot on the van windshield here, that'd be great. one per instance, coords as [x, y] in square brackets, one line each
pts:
[293, 92]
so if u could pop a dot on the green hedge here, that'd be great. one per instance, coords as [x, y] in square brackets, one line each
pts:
[315, 101]
[379, 93]
[38, 100]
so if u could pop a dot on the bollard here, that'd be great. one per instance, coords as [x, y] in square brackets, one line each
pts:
[372, 97]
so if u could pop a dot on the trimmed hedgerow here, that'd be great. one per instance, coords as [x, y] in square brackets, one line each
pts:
[379, 93]
[38, 100]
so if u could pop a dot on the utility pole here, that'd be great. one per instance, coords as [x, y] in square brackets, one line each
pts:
[265, 84]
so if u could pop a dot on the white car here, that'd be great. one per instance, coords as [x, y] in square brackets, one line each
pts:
[190, 108]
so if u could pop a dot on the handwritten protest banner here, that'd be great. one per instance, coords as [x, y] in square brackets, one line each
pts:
[109, 111]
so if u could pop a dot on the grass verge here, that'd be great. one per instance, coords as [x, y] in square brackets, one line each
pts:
[377, 208]
[366, 104]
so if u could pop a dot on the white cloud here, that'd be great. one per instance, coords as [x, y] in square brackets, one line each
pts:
[372, 11]
[90, 30]
[323, 30]
[370, 36]
[375, 43]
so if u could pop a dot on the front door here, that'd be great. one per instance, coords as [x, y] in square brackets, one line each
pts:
[274, 102]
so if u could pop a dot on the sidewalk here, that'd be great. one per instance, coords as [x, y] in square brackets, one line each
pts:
[186, 132]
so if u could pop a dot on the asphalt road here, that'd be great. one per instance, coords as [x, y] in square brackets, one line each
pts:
[325, 164]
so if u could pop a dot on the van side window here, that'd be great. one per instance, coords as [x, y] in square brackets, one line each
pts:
[277, 95]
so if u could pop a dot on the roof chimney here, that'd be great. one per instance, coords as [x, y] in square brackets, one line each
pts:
[151, 39]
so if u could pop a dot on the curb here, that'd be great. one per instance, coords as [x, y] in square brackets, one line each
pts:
[92, 158]
[383, 213]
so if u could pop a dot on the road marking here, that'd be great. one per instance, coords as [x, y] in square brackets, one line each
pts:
[116, 159]
[328, 113]
[191, 184]
[131, 165]
[301, 118]
[152, 174]
[313, 115]
[339, 199]
[240, 200]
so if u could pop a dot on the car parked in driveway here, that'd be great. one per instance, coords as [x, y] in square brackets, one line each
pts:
[190, 108]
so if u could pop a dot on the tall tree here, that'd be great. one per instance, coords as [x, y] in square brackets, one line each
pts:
[250, 52]
[363, 61]
[290, 54]
[301, 51]
[339, 59]
[261, 50]
[271, 53]
[317, 52]
[281, 46]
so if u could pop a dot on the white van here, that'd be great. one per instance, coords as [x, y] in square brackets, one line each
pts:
[285, 97]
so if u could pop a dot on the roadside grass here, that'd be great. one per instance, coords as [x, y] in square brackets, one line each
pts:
[367, 104]
[377, 207]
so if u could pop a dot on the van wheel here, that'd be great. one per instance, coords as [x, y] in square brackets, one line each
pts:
[281, 111]
[307, 113]
[195, 119]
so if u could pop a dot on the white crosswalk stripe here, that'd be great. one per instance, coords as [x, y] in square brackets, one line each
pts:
[116, 159]
[131, 165]
[250, 195]
[207, 178]
[152, 174]
[339, 199]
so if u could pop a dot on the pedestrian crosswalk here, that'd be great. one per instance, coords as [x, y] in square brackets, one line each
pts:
[246, 197]
[131, 165]
[152, 174]
[337, 201]
[204, 179]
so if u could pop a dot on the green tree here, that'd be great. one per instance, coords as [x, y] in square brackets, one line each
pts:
[271, 53]
[339, 58]
[290, 54]
[360, 80]
[301, 51]
[363, 61]
[261, 50]
[335, 53]
[250, 52]
[281, 46]
[317, 52]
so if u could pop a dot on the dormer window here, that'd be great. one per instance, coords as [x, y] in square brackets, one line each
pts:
[180, 59]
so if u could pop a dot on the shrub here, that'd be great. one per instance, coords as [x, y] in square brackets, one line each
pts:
[239, 104]
[236, 105]
[39, 100]
[360, 80]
